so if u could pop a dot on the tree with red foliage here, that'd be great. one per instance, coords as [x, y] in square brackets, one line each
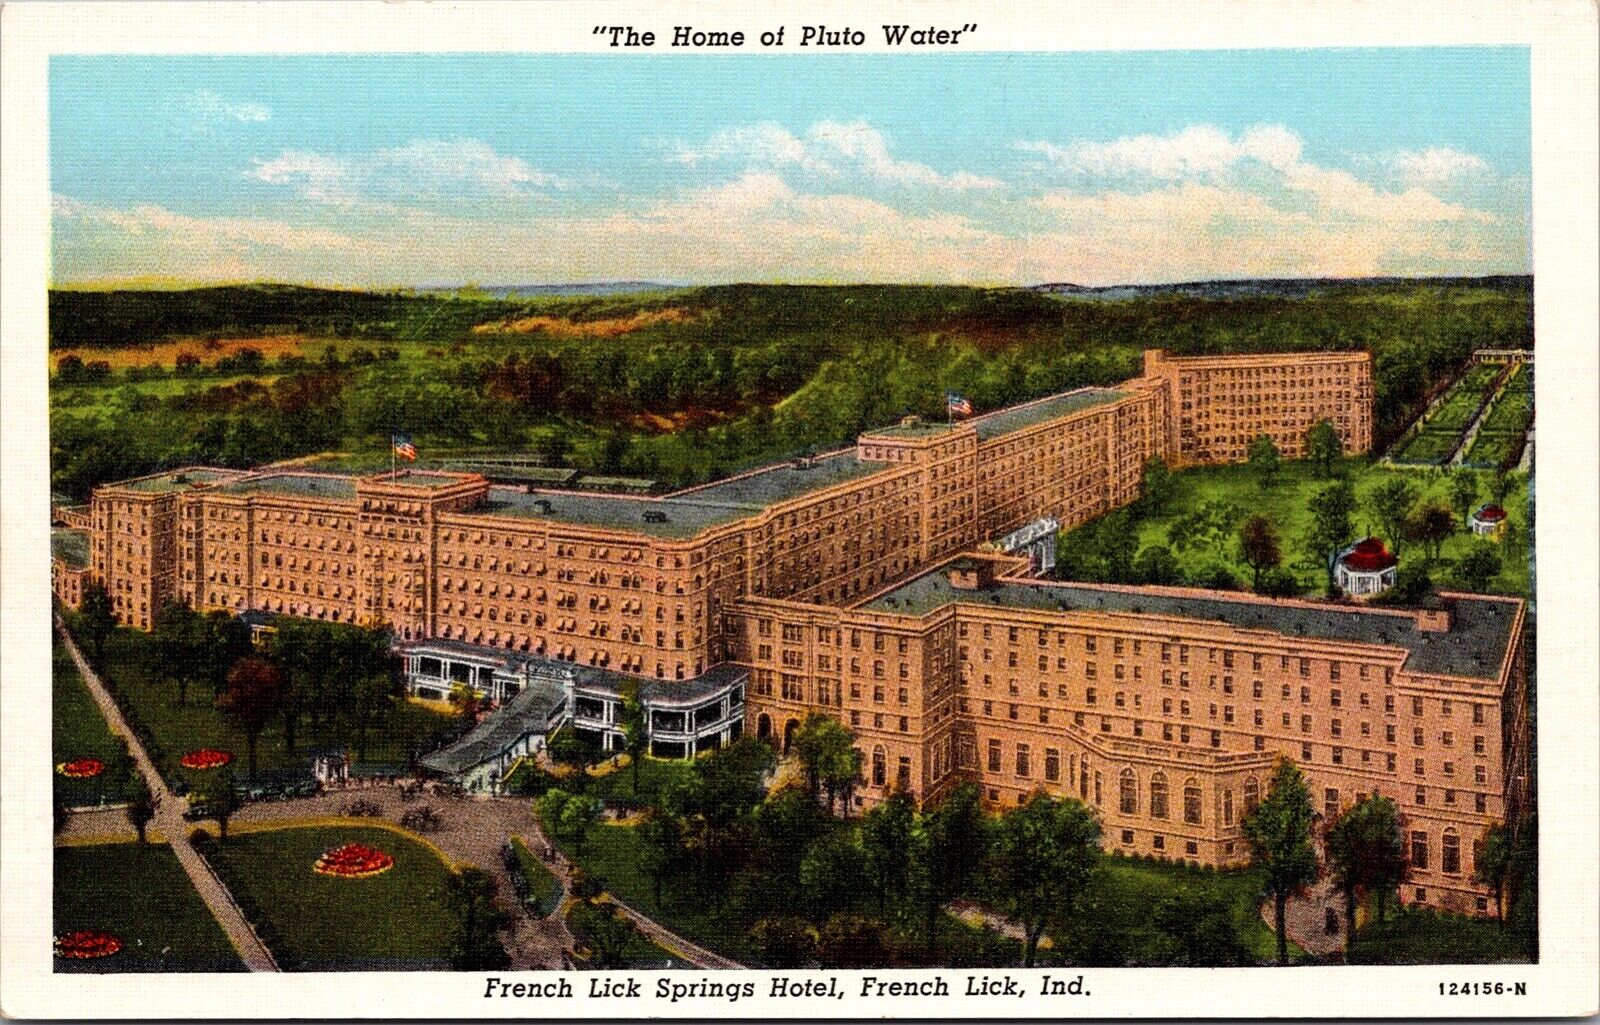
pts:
[254, 695]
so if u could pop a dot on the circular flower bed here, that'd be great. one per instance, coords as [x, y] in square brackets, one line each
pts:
[87, 943]
[81, 768]
[206, 758]
[354, 861]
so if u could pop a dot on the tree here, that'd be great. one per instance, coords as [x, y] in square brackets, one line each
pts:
[177, 638]
[1463, 493]
[1265, 460]
[606, 931]
[95, 617]
[226, 640]
[661, 836]
[809, 744]
[635, 728]
[566, 747]
[1156, 484]
[1431, 526]
[783, 941]
[1480, 565]
[853, 941]
[1279, 832]
[474, 945]
[1330, 523]
[217, 798]
[1207, 527]
[833, 875]
[1040, 860]
[1365, 854]
[1156, 565]
[372, 698]
[141, 804]
[1391, 503]
[1197, 928]
[1492, 863]
[1500, 484]
[1323, 447]
[1258, 546]
[569, 816]
[253, 697]
[945, 855]
[885, 836]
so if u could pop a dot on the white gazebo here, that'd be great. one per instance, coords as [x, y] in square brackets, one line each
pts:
[1365, 569]
[1488, 521]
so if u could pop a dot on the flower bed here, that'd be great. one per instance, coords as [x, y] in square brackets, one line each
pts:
[83, 944]
[206, 758]
[81, 768]
[353, 861]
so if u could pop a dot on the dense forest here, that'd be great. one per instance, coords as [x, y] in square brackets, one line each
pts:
[675, 386]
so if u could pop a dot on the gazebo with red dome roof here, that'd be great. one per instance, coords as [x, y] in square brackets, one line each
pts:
[1489, 520]
[1366, 568]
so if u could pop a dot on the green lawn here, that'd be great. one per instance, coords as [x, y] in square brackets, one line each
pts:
[316, 922]
[1430, 446]
[140, 894]
[1285, 505]
[654, 775]
[543, 887]
[1420, 936]
[1116, 914]
[130, 660]
[640, 951]
[79, 730]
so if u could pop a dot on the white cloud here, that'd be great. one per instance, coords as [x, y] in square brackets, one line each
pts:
[829, 148]
[158, 226]
[1436, 165]
[206, 106]
[464, 168]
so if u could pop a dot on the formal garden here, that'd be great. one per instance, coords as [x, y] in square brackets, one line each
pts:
[341, 897]
[127, 907]
[1503, 433]
[1438, 433]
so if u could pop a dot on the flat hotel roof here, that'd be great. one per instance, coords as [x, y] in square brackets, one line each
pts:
[70, 546]
[683, 518]
[780, 482]
[302, 484]
[1015, 418]
[1474, 646]
[177, 480]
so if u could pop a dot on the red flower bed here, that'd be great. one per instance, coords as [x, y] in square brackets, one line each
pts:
[206, 758]
[353, 861]
[87, 943]
[81, 768]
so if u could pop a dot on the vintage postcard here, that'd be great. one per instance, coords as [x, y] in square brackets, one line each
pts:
[635, 510]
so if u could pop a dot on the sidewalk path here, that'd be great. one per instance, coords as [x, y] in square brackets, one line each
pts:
[1306, 920]
[169, 823]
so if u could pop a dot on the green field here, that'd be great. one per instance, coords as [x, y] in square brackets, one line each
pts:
[655, 774]
[544, 889]
[140, 894]
[1420, 936]
[1285, 505]
[130, 660]
[316, 922]
[79, 730]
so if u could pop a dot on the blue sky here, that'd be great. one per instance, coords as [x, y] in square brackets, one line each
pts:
[984, 167]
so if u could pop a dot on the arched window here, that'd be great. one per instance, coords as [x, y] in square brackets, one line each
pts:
[1252, 795]
[1158, 796]
[880, 767]
[1227, 807]
[1191, 802]
[1129, 793]
[1083, 781]
[1450, 853]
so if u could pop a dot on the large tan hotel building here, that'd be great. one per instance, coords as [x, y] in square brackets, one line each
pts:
[850, 583]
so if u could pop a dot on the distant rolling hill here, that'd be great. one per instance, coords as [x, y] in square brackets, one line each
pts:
[1289, 288]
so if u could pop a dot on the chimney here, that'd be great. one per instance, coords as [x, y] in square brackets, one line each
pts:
[971, 574]
[1433, 620]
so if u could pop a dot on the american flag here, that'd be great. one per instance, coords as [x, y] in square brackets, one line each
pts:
[957, 404]
[403, 447]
